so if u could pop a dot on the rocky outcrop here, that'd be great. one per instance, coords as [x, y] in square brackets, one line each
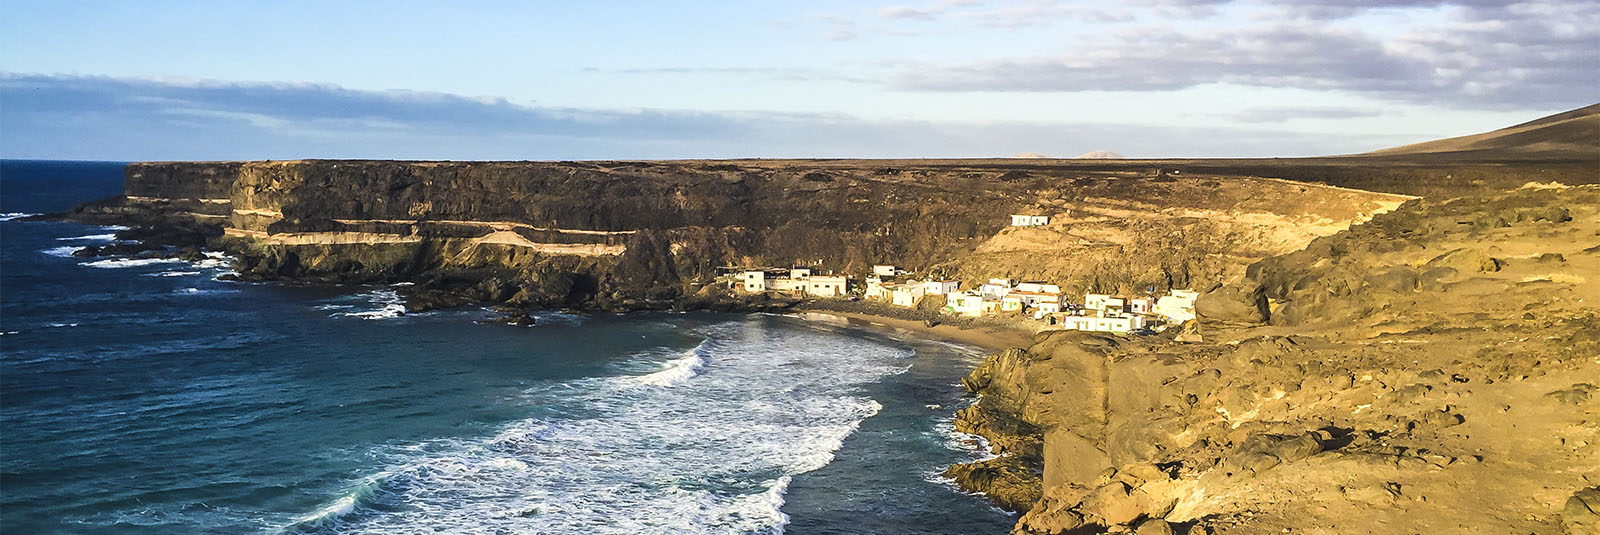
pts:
[1375, 382]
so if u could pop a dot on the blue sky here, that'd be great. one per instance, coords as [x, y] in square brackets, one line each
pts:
[956, 78]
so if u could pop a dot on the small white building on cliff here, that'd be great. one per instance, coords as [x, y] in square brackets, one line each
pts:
[1177, 306]
[1028, 220]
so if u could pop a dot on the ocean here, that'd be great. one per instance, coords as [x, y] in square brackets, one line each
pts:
[146, 396]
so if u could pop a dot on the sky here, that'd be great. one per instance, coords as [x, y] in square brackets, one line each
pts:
[207, 80]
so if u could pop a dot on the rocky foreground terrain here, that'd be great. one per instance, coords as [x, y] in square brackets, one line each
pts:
[1433, 370]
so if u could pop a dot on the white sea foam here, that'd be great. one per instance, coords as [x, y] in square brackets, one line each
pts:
[384, 304]
[113, 227]
[361, 492]
[214, 260]
[7, 216]
[172, 274]
[678, 370]
[707, 444]
[973, 445]
[64, 251]
[91, 237]
[118, 263]
[203, 291]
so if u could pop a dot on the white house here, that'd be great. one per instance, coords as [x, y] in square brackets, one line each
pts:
[967, 303]
[907, 295]
[1139, 305]
[786, 285]
[1034, 299]
[827, 286]
[995, 288]
[1111, 324]
[800, 273]
[1046, 308]
[1012, 303]
[876, 289]
[754, 281]
[941, 287]
[1114, 305]
[1177, 306]
[884, 270]
[1094, 301]
[1038, 287]
[1020, 220]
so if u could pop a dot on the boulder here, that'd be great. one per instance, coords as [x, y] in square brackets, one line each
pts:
[1578, 394]
[1581, 515]
[1154, 526]
[1245, 302]
[1465, 260]
[1114, 504]
[1395, 279]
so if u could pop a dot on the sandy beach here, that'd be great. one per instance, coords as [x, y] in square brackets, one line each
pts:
[989, 338]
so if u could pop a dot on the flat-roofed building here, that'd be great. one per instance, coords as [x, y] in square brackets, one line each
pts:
[827, 286]
[941, 287]
[1029, 220]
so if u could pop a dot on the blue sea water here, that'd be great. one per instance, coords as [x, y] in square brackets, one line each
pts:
[149, 397]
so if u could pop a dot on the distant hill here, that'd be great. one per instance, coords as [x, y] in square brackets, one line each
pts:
[1101, 155]
[1572, 134]
[1034, 155]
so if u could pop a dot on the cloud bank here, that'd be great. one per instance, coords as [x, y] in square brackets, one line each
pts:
[73, 117]
[1468, 54]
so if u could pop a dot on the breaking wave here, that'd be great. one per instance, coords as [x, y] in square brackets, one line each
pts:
[7, 216]
[119, 263]
[382, 303]
[677, 370]
[92, 237]
[64, 251]
[203, 291]
[707, 443]
[175, 273]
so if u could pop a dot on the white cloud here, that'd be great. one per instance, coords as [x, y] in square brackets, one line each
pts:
[1481, 54]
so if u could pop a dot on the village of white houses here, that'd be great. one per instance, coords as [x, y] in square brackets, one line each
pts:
[1042, 302]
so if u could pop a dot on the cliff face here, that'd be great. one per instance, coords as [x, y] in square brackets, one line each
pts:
[1380, 380]
[632, 234]
[630, 231]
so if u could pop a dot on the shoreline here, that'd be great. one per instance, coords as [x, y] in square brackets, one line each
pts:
[989, 339]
